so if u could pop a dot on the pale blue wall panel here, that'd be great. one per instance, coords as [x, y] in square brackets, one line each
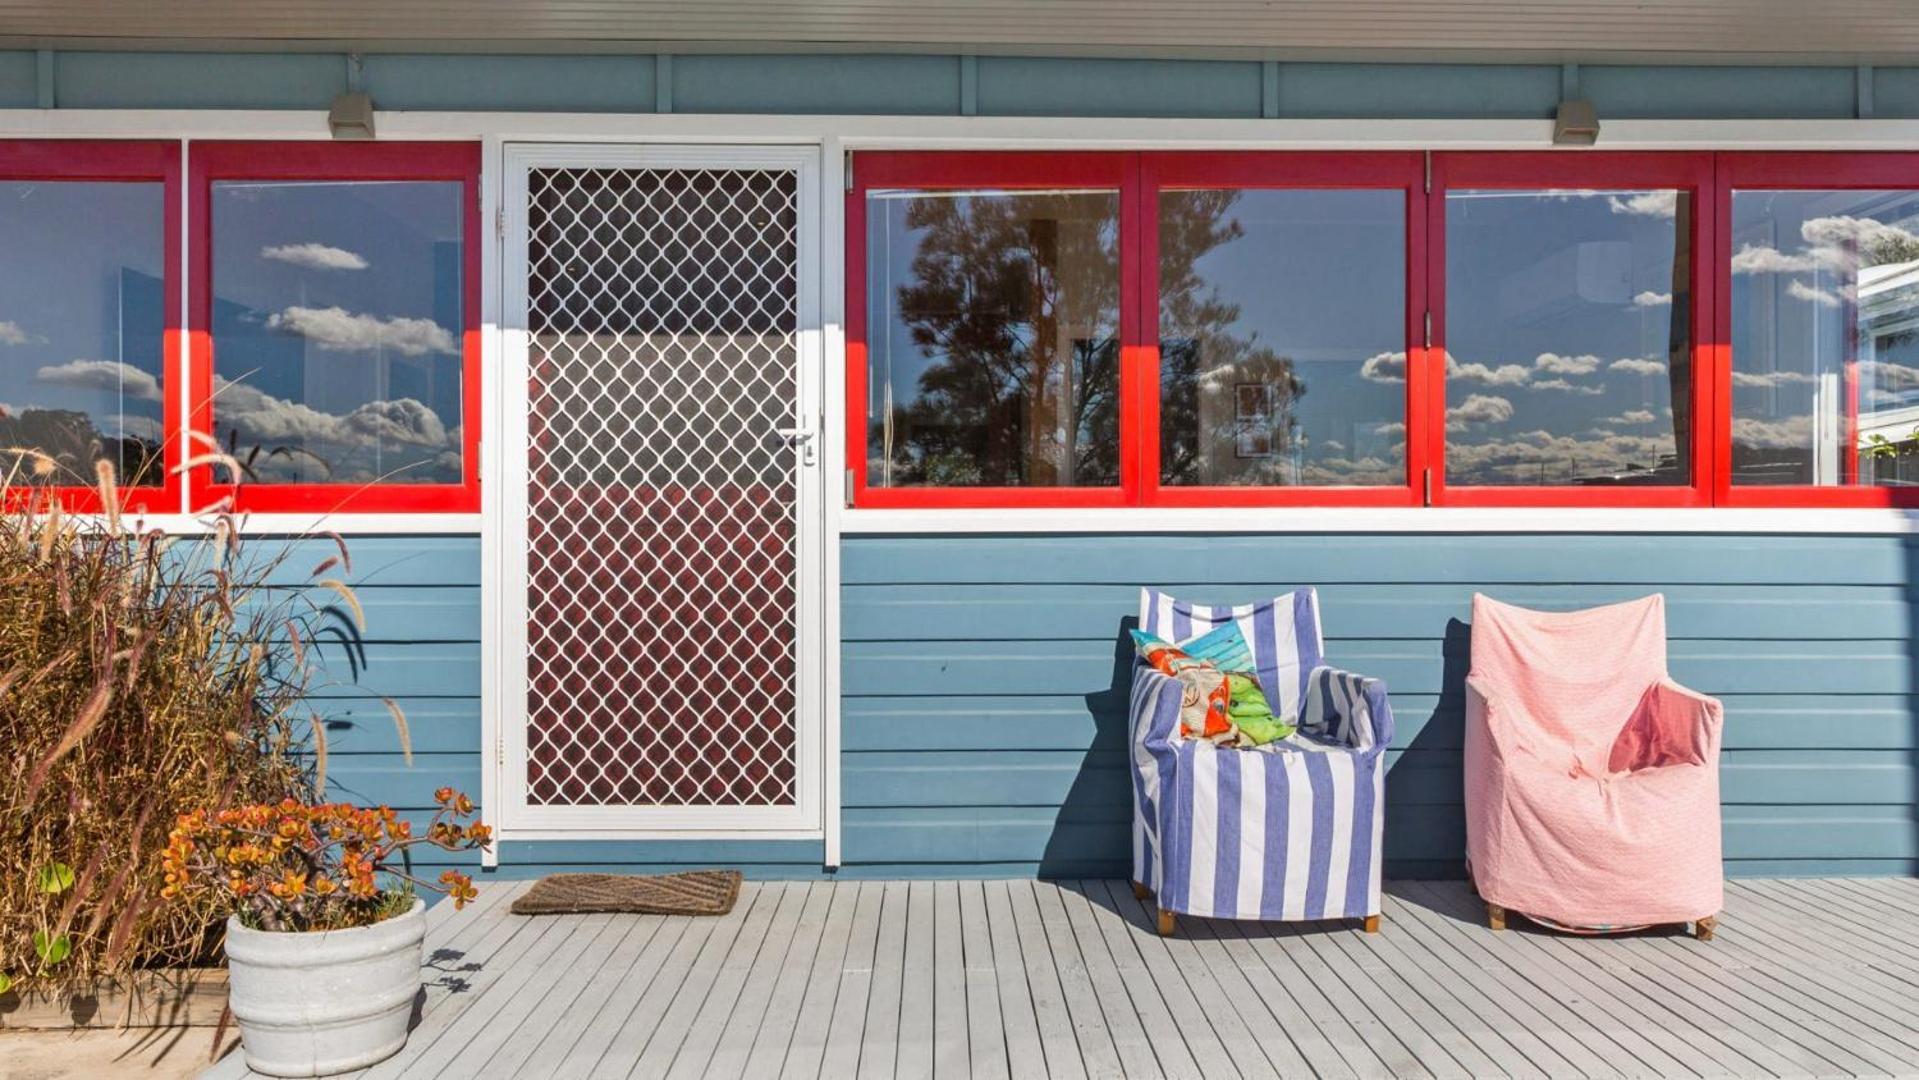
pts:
[816, 84]
[1895, 92]
[1044, 86]
[133, 80]
[1418, 90]
[510, 83]
[986, 680]
[1716, 92]
[19, 80]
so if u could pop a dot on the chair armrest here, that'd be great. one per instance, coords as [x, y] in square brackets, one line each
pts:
[1671, 725]
[1349, 709]
[1153, 715]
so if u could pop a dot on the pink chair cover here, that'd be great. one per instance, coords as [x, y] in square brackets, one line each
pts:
[1592, 779]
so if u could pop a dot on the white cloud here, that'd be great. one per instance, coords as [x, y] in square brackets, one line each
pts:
[11, 333]
[1566, 387]
[102, 375]
[1503, 375]
[1638, 366]
[1841, 231]
[1479, 409]
[338, 329]
[1652, 299]
[1653, 204]
[1631, 416]
[1799, 290]
[1793, 431]
[261, 418]
[1386, 367]
[1766, 260]
[314, 256]
[1534, 455]
[145, 428]
[1769, 378]
[1556, 364]
[1391, 428]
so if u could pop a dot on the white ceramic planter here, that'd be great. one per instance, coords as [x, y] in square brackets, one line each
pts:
[328, 1002]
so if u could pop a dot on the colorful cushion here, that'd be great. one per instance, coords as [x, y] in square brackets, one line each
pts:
[1223, 646]
[1223, 707]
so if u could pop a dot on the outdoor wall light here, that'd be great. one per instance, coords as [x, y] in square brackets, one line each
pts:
[1575, 124]
[351, 116]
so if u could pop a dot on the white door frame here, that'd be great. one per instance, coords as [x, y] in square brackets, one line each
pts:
[516, 818]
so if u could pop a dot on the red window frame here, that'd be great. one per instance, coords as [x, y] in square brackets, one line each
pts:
[1280, 170]
[1601, 170]
[101, 160]
[267, 161]
[948, 170]
[1811, 171]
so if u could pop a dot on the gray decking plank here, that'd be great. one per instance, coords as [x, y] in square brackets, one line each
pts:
[1841, 932]
[1408, 963]
[777, 977]
[1331, 1007]
[1125, 989]
[1535, 1011]
[1644, 1026]
[1885, 921]
[687, 1035]
[1785, 918]
[1365, 957]
[1025, 1050]
[618, 1001]
[476, 1045]
[846, 1035]
[489, 989]
[985, 1027]
[1201, 989]
[1057, 1034]
[1329, 1045]
[1390, 1017]
[913, 1059]
[1868, 993]
[1426, 947]
[671, 983]
[599, 993]
[1198, 947]
[951, 1046]
[1062, 914]
[1122, 921]
[879, 1047]
[800, 1056]
[773, 1036]
[1098, 1043]
[1899, 892]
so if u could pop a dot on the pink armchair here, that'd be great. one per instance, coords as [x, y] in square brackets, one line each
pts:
[1592, 778]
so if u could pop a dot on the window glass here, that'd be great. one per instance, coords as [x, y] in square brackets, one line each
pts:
[337, 326]
[1282, 320]
[1825, 337]
[1568, 337]
[82, 328]
[993, 338]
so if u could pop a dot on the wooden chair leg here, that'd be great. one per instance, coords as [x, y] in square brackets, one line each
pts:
[1141, 892]
[1168, 922]
[1703, 928]
[1495, 916]
[1372, 924]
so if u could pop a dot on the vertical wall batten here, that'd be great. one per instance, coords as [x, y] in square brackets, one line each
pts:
[969, 85]
[43, 78]
[663, 83]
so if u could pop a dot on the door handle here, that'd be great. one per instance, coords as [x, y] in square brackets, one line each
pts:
[804, 440]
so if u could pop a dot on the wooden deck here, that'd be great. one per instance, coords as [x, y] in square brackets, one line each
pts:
[1024, 979]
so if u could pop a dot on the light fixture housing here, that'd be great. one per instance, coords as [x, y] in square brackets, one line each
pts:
[1575, 124]
[351, 116]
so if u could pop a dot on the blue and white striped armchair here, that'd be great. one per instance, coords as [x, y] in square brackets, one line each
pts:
[1289, 831]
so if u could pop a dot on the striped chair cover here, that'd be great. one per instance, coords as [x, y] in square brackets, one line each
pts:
[1291, 831]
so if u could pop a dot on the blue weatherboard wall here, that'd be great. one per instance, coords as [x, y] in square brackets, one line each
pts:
[985, 681]
[941, 84]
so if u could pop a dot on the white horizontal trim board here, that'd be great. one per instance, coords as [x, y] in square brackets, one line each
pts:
[1275, 519]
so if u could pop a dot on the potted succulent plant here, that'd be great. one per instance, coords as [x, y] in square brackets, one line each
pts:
[324, 937]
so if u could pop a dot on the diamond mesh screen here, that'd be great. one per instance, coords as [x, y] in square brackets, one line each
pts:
[661, 502]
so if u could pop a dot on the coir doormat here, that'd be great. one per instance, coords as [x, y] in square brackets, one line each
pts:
[698, 892]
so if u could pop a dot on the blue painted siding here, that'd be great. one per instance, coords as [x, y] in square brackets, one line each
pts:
[985, 681]
[916, 84]
[983, 719]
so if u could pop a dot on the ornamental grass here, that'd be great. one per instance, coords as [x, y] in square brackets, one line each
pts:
[141, 676]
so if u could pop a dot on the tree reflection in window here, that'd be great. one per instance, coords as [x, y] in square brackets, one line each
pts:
[994, 354]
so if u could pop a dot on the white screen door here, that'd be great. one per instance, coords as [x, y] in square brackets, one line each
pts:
[661, 510]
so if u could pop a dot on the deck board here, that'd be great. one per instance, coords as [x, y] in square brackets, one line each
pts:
[1009, 980]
